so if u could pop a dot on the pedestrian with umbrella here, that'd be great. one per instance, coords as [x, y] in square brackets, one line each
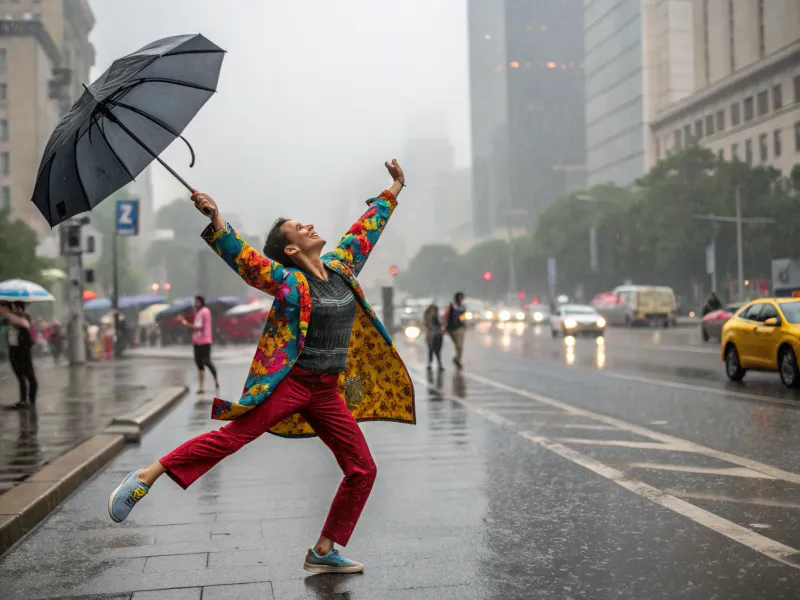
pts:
[20, 352]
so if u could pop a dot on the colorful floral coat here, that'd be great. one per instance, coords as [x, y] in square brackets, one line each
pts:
[375, 384]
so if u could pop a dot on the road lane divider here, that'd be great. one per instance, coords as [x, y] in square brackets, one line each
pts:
[677, 443]
[773, 549]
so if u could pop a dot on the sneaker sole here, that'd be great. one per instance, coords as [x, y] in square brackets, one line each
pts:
[326, 569]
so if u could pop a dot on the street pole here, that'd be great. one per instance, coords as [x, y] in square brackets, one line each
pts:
[512, 272]
[76, 345]
[739, 245]
[115, 292]
[739, 221]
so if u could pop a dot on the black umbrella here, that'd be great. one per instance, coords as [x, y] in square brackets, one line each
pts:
[123, 121]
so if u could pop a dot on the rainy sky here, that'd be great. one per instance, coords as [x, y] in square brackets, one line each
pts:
[314, 94]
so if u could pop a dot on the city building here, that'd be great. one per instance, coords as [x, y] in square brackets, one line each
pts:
[638, 61]
[45, 57]
[527, 107]
[747, 71]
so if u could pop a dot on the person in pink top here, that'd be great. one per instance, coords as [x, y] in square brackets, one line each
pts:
[201, 340]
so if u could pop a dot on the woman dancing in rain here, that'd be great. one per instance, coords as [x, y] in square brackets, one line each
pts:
[324, 362]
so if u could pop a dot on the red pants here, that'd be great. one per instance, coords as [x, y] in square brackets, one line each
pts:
[316, 397]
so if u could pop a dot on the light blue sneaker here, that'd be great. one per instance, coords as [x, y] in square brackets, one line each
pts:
[125, 497]
[332, 562]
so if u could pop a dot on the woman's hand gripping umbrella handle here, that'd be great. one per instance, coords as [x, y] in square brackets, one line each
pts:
[206, 205]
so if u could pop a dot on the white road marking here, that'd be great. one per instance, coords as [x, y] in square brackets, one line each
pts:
[678, 443]
[623, 444]
[696, 388]
[579, 426]
[759, 525]
[723, 471]
[737, 533]
[722, 498]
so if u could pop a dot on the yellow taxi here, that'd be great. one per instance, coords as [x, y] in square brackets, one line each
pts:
[763, 335]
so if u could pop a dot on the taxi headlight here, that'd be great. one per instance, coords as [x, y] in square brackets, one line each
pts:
[537, 316]
[489, 315]
[601, 322]
[412, 332]
[505, 315]
[468, 316]
[570, 323]
[520, 316]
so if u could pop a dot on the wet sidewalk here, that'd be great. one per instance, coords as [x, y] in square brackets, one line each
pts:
[73, 404]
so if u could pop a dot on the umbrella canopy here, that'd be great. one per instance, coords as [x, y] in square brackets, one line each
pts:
[176, 308]
[123, 121]
[245, 309]
[19, 290]
[124, 302]
[148, 315]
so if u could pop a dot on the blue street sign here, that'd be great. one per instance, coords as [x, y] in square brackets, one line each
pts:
[127, 217]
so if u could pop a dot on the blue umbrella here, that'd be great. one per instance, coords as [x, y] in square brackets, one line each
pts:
[19, 290]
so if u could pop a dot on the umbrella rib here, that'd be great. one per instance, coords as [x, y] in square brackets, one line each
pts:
[174, 82]
[156, 121]
[78, 174]
[114, 152]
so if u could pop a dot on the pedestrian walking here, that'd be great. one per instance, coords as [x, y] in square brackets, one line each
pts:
[20, 353]
[201, 340]
[455, 327]
[56, 341]
[324, 363]
[433, 335]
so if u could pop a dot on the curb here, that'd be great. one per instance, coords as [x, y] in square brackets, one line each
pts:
[132, 424]
[26, 505]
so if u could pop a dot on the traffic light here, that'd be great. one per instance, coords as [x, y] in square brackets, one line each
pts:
[154, 287]
[393, 270]
[522, 294]
[487, 276]
[167, 286]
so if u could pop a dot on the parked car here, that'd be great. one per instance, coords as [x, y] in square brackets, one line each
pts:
[711, 326]
[577, 319]
[764, 335]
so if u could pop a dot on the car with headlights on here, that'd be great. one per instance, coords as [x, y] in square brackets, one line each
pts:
[577, 319]
[507, 314]
[539, 314]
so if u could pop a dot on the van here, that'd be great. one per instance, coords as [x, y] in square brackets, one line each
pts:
[639, 305]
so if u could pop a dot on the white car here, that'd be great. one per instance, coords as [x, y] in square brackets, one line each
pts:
[576, 319]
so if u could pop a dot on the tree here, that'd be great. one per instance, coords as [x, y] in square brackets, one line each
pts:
[131, 280]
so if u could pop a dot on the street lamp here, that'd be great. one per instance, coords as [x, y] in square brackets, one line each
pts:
[739, 243]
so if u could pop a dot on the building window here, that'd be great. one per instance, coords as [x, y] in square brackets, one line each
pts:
[687, 134]
[735, 114]
[776, 143]
[5, 197]
[3, 55]
[710, 125]
[3, 130]
[763, 103]
[698, 129]
[731, 36]
[3, 92]
[720, 120]
[797, 89]
[763, 147]
[777, 96]
[5, 163]
[748, 108]
[797, 136]
[735, 152]
[762, 46]
[748, 152]
[677, 138]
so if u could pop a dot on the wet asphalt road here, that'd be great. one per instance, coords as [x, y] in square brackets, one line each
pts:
[627, 470]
